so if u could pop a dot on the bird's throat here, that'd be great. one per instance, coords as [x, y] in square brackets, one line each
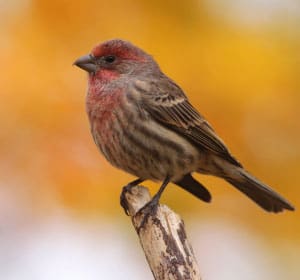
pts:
[103, 76]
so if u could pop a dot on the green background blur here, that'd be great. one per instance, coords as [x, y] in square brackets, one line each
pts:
[238, 61]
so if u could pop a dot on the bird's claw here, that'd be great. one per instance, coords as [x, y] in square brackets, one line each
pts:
[123, 200]
[147, 211]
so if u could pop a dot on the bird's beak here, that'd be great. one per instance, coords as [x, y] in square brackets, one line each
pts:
[87, 63]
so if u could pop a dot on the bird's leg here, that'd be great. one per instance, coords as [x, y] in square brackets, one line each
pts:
[156, 197]
[126, 189]
[150, 208]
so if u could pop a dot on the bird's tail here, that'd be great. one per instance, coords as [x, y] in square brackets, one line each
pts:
[259, 192]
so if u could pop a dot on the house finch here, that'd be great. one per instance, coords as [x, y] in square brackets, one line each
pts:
[144, 124]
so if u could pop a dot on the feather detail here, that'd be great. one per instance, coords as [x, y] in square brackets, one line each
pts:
[171, 108]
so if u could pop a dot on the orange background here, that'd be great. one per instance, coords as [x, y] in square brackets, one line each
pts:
[238, 63]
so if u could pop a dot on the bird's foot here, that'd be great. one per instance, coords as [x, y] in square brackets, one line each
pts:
[127, 188]
[147, 211]
[123, 200]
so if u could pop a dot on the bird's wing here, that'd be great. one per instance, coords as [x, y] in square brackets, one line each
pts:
[171, 108]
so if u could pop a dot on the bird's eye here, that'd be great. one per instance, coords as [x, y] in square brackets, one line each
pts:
[109, 58]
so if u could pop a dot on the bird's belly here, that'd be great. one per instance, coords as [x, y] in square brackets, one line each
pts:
[147, 150]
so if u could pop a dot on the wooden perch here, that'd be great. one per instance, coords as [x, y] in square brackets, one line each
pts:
[162, 236]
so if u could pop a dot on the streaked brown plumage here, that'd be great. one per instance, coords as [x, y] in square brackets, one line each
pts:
[144, 124]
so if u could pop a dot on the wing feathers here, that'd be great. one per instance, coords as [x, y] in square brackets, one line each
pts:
[171, 108]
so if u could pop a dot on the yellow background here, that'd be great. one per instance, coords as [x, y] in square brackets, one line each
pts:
[239, 64]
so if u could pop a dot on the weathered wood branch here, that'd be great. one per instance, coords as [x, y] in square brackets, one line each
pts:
[162, 236]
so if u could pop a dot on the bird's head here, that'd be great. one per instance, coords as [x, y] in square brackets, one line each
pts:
[114, 58]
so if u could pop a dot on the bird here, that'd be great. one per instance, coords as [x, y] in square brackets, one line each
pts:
[144, 124]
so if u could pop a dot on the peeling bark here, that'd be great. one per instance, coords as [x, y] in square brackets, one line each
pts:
[162, 236]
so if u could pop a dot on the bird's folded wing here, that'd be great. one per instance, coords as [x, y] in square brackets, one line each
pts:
[173, 110]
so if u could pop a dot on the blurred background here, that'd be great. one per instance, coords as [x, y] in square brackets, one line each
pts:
[238, 61]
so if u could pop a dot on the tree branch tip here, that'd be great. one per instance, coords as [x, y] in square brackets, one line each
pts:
[133, 198]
